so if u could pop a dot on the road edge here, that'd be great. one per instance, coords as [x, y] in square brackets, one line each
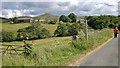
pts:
[77, 63]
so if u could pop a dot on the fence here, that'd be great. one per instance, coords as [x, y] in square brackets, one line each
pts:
[15, 49]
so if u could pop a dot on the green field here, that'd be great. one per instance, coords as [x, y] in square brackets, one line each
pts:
[57, 50]
[14, 27]
[50, 27]
[53, 51]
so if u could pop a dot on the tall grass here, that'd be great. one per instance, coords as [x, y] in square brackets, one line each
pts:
[61, 53]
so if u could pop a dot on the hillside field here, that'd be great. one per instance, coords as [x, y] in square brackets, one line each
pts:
[14, 27]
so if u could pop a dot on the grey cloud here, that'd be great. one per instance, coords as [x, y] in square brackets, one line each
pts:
[64, 3]
[59, 8]
[119, 8]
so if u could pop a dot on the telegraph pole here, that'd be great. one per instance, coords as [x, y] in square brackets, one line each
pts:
[86, 28]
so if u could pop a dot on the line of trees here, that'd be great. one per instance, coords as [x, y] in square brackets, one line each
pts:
[70, 18]
[103, 21]
[35, 31]
[68, 29]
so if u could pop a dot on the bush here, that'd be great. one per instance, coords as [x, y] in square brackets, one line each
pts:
[68, 29]
[119, 26]
[103, 21]
[61, 30]
[112, 25]
[7, 36]
[44, 33]
[52, 22]
[35, 31]
[73, 29]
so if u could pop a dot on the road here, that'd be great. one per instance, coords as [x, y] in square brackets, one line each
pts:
[105, 56]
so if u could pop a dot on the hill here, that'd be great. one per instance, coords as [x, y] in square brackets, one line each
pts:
[2, 18]
[47, 17]
[24, 17]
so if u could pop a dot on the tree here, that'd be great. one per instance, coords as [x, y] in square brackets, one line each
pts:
[35, 31]
[73, 17]
[99, 22]
[64, 18]
[68, 29]
[61, 30]
[14, 20]
[73, 29]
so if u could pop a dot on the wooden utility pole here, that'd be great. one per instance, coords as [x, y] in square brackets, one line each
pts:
[86, 28]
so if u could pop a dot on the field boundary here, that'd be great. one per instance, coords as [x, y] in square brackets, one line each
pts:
[77, 63]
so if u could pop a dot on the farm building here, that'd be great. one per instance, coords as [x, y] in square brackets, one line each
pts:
[25, 20]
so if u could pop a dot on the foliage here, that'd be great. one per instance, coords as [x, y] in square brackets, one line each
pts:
[59, 54]
[73, 17]
[74, 29]
[7, 36]
[61, 30]
[119, 26]
[14, 20]
[64, 18]
[52, 22]
[67, 29]
[103, 21]
[35, 31]
[70, 18]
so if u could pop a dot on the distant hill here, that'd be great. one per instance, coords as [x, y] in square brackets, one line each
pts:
[24, 17]
[47, 16]
[2, 18]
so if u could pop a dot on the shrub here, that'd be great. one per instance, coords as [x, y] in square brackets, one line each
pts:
[35, 31]
[112, 25]
[103, 21]
[7, 36]
[119, 26]
[44, 33]
[52, 22]
[73, 29]
[68, 29]
[61, 30]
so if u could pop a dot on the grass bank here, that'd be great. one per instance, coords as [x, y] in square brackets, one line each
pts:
[59, 54]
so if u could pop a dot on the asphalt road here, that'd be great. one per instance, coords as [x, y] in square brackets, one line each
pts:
[105, 56]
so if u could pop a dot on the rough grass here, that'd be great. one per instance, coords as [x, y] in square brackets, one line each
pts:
[43, 42]
[13, 27]
[50, 27]
[59, 54]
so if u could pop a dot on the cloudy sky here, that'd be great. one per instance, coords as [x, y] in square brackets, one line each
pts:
[79, 7]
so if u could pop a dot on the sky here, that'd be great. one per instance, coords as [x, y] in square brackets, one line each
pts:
[79, 7]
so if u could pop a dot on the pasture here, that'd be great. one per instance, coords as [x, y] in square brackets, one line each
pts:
[14, 27]
[53, 51]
